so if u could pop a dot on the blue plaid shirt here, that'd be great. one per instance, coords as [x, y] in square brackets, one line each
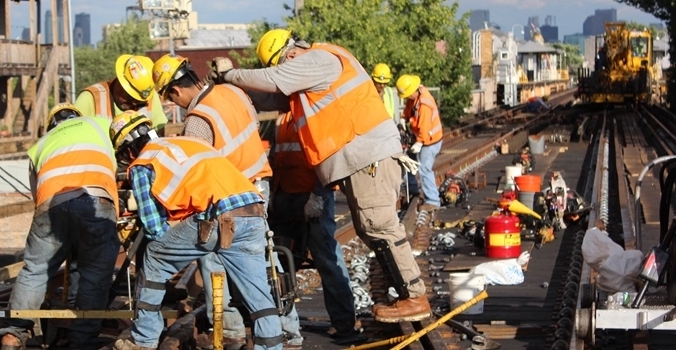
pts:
[152, 213]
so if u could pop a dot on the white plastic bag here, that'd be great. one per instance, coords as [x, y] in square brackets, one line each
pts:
[503, 272]
[617, 268]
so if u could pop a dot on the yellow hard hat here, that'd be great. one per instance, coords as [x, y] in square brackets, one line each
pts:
[407, 84]
[134, 74]
[125, 127]
[61, 112]
[381, 73]
[167, 69]
[270, 46]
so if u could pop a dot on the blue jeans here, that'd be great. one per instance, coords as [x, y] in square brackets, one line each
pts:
[244, 263]
[233, 323]
[85, 225]
[427, 178]
[286, 220]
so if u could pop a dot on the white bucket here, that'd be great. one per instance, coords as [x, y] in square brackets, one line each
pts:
[511, 172]
[464, 287]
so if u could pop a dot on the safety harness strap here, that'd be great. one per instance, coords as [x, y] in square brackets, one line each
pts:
[142, 305]
[154, 285]
[264, 313]
[268, 342]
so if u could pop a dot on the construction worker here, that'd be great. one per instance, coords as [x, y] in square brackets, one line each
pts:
[349, 139]
[223, 116]
[422, 113]
[292, 184]
[131, 89]
[219, 210]
[381, 76]
[72, 177]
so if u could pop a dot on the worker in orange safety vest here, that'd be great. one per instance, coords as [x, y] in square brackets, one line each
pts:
[350, 140]
[222, 115]
[423, 115]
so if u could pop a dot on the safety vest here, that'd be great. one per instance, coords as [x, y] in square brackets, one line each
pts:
[389, 101]
[426, 131]
[329, 119]
[104, 105]
[292, 172]
[75, 154]
[234, 122]
[190, 175]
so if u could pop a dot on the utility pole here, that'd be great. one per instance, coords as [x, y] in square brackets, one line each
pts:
[166, 19]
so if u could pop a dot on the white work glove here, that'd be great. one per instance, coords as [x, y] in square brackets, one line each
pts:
[220, 66]
[415, 149]
[409, 164]
[314, 207]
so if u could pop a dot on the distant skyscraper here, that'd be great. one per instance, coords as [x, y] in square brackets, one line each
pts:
[26, 34]
[596, 24]
[478, 18]
[533, 22]
[59, 21]
[549, 31]
[82, 30]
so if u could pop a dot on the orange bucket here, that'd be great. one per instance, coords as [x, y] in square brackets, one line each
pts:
[528, 183]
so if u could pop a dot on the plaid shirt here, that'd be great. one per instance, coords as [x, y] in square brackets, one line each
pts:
[154, 216]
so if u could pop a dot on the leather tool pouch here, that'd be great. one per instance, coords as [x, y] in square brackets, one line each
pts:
[204, 228]
[226, 229]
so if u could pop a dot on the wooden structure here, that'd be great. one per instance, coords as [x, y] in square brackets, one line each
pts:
[30, 73]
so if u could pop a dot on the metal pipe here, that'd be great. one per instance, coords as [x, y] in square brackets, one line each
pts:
[72, 54]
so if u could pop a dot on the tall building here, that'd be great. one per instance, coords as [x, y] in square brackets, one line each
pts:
[26, 34]
[479, 19]
[59, 25]
[532, 24]
[82, 30]
[596, 24]
[549, 31]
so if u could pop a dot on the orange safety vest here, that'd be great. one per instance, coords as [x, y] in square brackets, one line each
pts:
[234, 122]
[105, 105]
[427, 131]
[190, 175]
[73, 162]
[292, 173]
[329, 119]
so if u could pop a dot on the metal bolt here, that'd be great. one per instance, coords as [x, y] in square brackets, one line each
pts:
[433, 260]
[437, 288]
[545, 285]
[435, 267]
[472, 253]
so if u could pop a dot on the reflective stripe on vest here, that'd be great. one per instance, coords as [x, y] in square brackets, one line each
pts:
[292, 172]
[389, 101]
[327, 120]
[64, 163]
[244, 149]
[105, 107]
[190, 175]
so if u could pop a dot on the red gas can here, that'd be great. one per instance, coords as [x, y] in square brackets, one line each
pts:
[503, 236]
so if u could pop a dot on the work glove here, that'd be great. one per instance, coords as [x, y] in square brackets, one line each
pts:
[409, 164]
[415, 149]
[220, 66]
[314, 207]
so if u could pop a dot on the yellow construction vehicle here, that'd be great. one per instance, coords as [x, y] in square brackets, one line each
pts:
[623, 69]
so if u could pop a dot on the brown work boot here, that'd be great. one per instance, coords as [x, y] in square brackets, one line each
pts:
[128, 344]
[411, 309]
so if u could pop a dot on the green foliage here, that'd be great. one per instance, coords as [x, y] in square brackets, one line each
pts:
[249, 58]
[98, 64]
[419, 37]
[573, 58]
[654, 31]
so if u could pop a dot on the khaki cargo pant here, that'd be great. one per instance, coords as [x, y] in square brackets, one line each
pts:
[372, 202]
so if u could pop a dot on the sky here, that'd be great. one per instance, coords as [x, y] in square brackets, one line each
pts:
[570, 14]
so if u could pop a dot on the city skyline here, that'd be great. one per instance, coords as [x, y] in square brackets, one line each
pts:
[509, 14]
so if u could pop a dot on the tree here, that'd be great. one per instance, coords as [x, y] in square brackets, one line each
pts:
[97, 64]
[662, 9]
[419, 37]
[573, 58]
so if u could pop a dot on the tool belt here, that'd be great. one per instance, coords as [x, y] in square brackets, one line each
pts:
[226, 224]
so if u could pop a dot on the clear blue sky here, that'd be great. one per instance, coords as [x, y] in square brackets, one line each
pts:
[570, 14]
